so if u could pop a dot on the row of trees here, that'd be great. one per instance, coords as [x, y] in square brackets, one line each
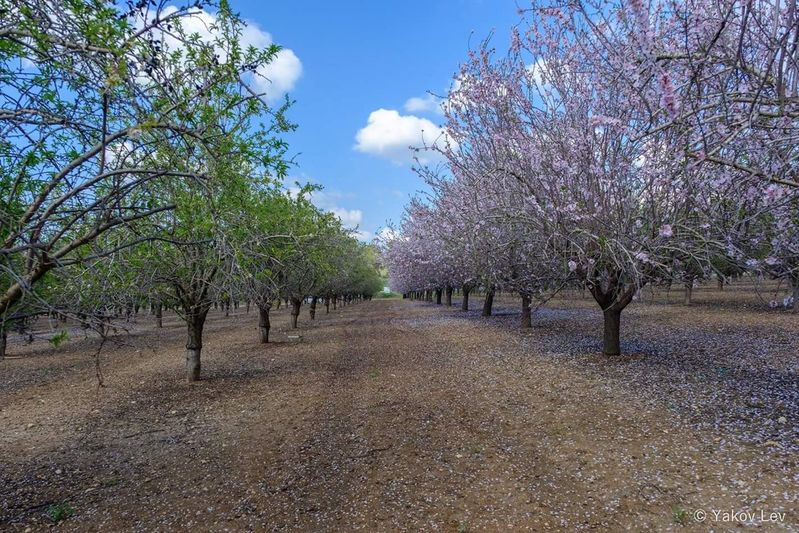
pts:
[614, 145]
[139, 166]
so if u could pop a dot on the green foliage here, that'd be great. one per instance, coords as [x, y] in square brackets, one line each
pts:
[388, 295]
[59, 338]
[140, 168]
[60, 511]
[679, 514]
[86, 210]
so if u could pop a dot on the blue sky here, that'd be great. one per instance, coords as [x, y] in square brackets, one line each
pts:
[347, 60]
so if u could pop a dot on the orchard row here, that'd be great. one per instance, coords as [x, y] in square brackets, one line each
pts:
[614, 145]
[139, 165]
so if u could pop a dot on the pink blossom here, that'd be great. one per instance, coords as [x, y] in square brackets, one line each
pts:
[668, 96]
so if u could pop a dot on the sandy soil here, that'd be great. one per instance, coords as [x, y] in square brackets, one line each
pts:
[407, 416]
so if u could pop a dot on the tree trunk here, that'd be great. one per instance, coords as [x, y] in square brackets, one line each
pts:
[465, 300]
[720, 281]
[448, 296]
[159, 315]
[3, 342]
[611, 343]
[335, 302]
[527, 319]
[689, 291]
[248, 307]
[438, 296]
[612, 297]
[227, 309]
[295, 311]
[327, 305]
[488, 303]
[795, 303]
[312, 310]
[263, 322]
[195, 320]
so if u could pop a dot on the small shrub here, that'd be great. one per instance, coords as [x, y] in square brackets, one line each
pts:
[59, 338]
[60, 511]
[679, 514]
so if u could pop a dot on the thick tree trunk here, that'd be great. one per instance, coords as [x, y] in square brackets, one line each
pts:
[720, 281]
[465, 300]
[448, 296]
[327, 305]
[527, 319]
[438, 296]
[227, 309]
[295, 311]
[195, 321]
[263, 323]
[248, 307]
[312, 310]
[3, 342]
[488, 303]
[159, 315]
[335, 302]
[611, 344]
[612, 298]
[689, 291]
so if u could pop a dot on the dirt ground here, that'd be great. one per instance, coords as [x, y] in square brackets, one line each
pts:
[406, 416]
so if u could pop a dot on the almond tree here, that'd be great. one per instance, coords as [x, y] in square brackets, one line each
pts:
[601, 204]
[239, 154]
[726, 72]
[91, 93]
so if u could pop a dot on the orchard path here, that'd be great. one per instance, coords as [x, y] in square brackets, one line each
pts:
[388, 416]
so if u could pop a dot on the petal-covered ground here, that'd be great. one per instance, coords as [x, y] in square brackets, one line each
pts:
[397, 415]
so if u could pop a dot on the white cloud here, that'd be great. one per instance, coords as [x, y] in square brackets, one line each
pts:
[279, 77]
[350, 218]
[424, 104]
[274, 79]
[117, 154]
[538, 72]
[364, 236]
[387, 234]
[390, 135]
[328, 201]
